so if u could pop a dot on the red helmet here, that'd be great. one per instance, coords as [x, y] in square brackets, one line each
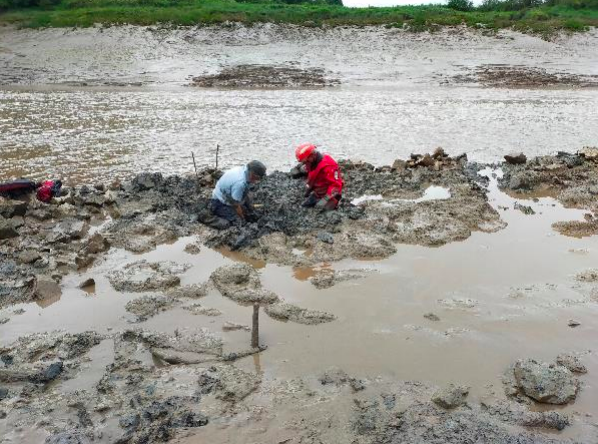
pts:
[304, 151]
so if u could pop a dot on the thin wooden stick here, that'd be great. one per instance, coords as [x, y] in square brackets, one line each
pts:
[255, 327]
[194, 165]
[217, 153]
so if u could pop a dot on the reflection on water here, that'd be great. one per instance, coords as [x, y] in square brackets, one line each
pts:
[87, 135]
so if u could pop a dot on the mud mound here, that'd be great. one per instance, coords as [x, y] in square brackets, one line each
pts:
[241, 283]
[283, 311]
[502, 76]
[263, 76]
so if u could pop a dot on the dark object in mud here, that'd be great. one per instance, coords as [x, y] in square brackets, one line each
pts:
[262, 76]
[572, 323]
[16, 188]
[255, 327]
[42, 376]
[431, 317]
[517, 76]
[515, 158]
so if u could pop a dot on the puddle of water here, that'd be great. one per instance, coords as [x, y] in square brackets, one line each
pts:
[431, 193]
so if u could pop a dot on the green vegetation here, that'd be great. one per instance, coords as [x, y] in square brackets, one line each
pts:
[544, 17]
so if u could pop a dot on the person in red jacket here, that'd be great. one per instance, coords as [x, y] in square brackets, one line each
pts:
[324, 185]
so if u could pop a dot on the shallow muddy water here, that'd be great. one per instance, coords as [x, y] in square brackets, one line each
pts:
[500, 297]
[99, 104]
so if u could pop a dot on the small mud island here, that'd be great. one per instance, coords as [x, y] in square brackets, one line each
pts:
[145, 373]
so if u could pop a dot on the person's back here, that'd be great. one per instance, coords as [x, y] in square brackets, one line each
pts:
[232, 186]
[230, 200]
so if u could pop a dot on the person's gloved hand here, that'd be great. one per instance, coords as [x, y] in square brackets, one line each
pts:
[308, 190]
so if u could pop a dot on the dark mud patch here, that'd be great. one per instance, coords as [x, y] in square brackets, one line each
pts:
[519, 76]
[263, 76]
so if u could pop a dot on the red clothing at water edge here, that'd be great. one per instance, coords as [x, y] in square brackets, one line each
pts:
[325, 179]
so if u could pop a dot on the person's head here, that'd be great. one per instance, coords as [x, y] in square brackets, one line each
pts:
[306, 153]
[256, 170]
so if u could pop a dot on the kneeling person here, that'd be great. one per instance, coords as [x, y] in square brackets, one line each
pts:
[324, 182]
[230, 200]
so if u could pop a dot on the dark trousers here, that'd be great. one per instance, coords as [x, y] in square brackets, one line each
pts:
[224, 211]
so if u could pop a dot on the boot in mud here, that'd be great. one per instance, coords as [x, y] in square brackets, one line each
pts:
[207, 218]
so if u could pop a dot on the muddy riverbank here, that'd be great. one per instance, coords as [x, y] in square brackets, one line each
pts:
[151, 308]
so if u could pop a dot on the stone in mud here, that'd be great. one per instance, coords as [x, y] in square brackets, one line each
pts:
[525, 209]
[192, 248]
[439, 153]
[145, 276]
[284, 311]
[588, 276]
[198, 309]
[69, 437]
[546, 383]
[194, 291]
[3, 393]
[12, 207]
[7, 229]
[573, 323]
[28, 257]
[40, 374]
[327, 278]
[516, 158]
[399, 165]
[324, 236]
[425, 161]
[146, 307]
[67, 230]
[46, 288]
[589, 153]
[87, 283]
[451, 396]
[241, 283]
[432, 317]
[147, 181]
[96, 244]
[572, 363]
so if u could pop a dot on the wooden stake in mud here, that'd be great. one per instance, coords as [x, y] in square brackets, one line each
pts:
[255, 327]
[194, 164]
[217, 153]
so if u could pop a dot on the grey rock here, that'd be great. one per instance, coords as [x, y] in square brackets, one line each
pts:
[573, 323]
[324, 236]
[516, 158]
[572, 363]
[284, 311]
[451, 396]
[3, 393]
[7, 229]
[28, 256]
[543, 382]
[432, 317]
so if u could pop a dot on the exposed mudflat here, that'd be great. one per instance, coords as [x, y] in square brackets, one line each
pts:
[105, 103]
[505, 76]
[157, 348]
[257, 76]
